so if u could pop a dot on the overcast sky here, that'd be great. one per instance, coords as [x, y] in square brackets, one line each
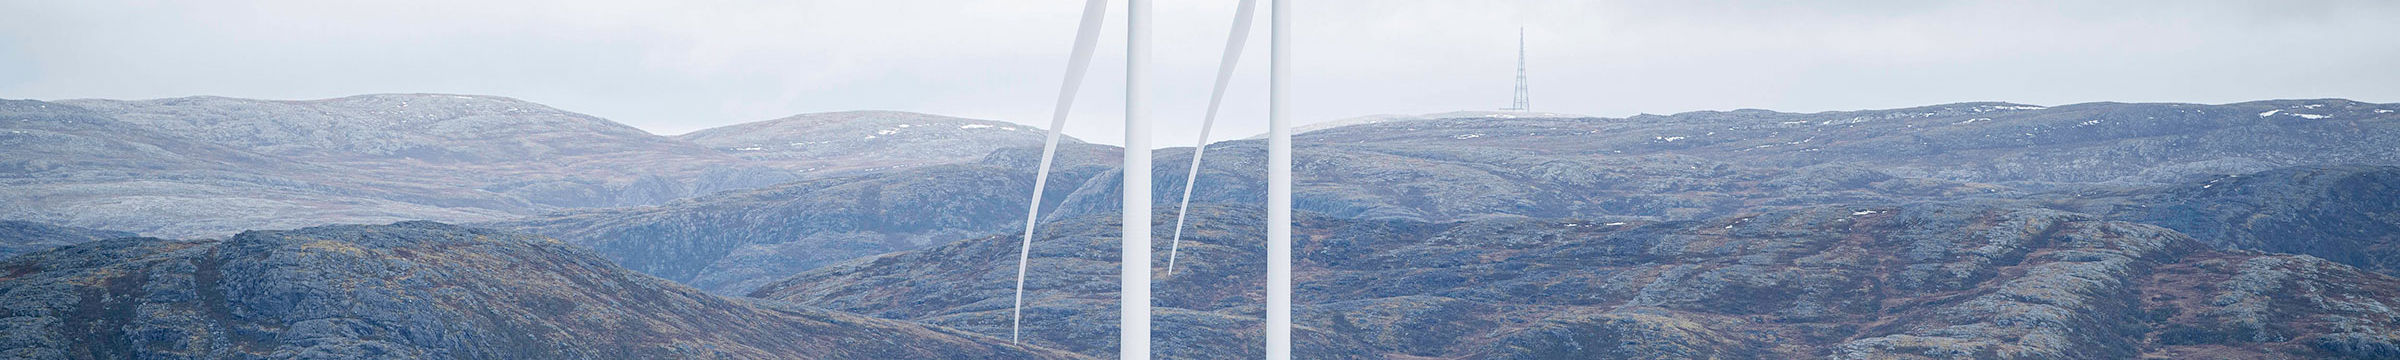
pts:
[671, 67]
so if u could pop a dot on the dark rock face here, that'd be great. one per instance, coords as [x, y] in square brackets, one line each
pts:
[411, 290]
[1932, 280]
[19, 237]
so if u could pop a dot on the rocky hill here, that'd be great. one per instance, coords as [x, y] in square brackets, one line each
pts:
[19, 237]
[543, 155]
[413, 290]
[67, 165]
[856, 141]
[733, 242]
[1929, 280]
[212, 166]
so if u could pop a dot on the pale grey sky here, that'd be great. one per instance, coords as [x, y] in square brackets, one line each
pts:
[675, 66]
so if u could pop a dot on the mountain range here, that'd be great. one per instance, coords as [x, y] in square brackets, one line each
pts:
[211, 166]
[1974, 230]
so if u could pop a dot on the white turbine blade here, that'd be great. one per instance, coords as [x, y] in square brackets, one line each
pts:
[1233, 55]
[1086, 34]
[1133, 304]
[1279, 183]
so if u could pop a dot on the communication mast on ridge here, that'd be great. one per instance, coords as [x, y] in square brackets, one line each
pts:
[1524, 101]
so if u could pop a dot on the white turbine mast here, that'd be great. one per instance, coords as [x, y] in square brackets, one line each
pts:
[1133, 292]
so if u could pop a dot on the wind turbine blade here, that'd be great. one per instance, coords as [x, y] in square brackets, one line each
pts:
[1086, 35]
[1233, 55]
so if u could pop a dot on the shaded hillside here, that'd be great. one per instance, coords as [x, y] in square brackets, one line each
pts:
[19, 237]
[847, 142]
[1933, 280]
[733, 242]
[412, 290]
[2348, 214]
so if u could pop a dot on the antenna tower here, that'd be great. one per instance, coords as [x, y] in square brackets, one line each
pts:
[1524, 101]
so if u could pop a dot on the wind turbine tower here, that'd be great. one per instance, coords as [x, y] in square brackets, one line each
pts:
[1524, 101]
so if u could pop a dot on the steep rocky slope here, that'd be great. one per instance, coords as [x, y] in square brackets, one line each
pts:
[411, 290]
[19, 237]
[1931, 280]
[849, 142]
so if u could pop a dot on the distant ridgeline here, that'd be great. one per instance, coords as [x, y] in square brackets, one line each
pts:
[1979, 230]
